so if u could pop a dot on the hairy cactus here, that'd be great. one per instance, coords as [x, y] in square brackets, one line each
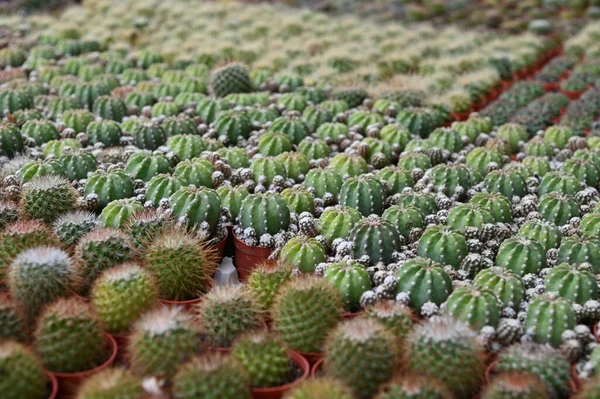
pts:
[474, 306]
[71, 226]
[558, 208]
[396, 317]
[109, 186]
[69, 338]
[578, 250]
[265, 213]
[424, 281]
[548, 316]
[264, 283]
[121, 294]
[365, 193]
[324, 181]
[375, 237]
[319, 388]
[198, 206]
[12, 324]
[304, 253]
[22, 376]
[443, 245]
[414, 386]
[503, 283]
[516, 385]
[546, 233]
[225, 313]
[229, 79]
[47, 197]
[304, 312]
[110, 383]
[351, 280]
[521, 255]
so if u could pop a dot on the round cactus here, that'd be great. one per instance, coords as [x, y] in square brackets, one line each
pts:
[548, 316]
[292, 102]
[162, 186]
[211, 376]
[584, 171]
[351, 280]
[111, 108]
[11, 141]
[294, 127]
[109, 186]
[273, 143]
[474, 306]
[265, 170]
[578, 250]
[395, 135]
[47, 197]
[559, 135]
[396, 178]
[378, 148]
[324, 181]
[521, 255]
[349, 164]
[424, 281]
[236, 157]
[516, 385]
[404, 218]
[559, 182]
[331, 131]
[468, 215]
[514, 134]
[304, 312]
[195, 171]
[538, 165]
[106, 132]
[480, 158]
[358, 348]
[418, 121]
[503, 283]
[109, 383]
[414, 160]
[198, 206]
[23, 376]
[77, 119]
[375, 237]
[313, 149]
[56, 148]
[34, 169]
[144, 165]
[40, 131]
[425, 202]
[446, 138]
[161, 340]
[296, 165]
[232, 125]
[11, 320]
[558, 208]
[178, 125]
[590, 225]
[231, 78]
[86, 92]
[448, 179]
[302, 252]
[69, 338]
[14, 100]
[574, 282]
[336, 222]
[143, 226]
[117, 213]
[299, 199]
[265, 213]
[352, 96]
[364, 119]
[365, 193]
[208, 108]
[319, 388]
[396, 317]
[231, 199]
[78, 164]
[538, 147]
[148, 136]
[264, 282]
[506, 182]
[546, 233]
[414, 386]
[164, 109]
[443, 245]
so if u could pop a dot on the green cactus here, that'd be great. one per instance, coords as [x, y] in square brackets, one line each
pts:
[336, 222]
[351, 280]
[208, 108]
[110, 108]
[77, 164]
[109, 186]
[448, 178]
[322, 387]
[57, 147]
[516, 385]
[559, 182]
[197, 206]
[47, 197]
[23, 376]
[292, 102]
[71, 226]
[11, 320]
[144, 165]
[77, 119]
[474, 306]
[480, 158]
[414, 386]
[143, 226]
[117, 212]
[352, 96]
[211, 376]
[161, 340]
[315, 116]
[446, 138]
[164, 109]
[414, 160]
[538, 147]
[559, 135]
[558, 208]
[296, 165]
[521, 255]
[590, 225]
[397, 179]
[584, 171]
[148, 136]
[514, 134]
[110, 383]
[443, 245]
[299, 199]
[424, 281]
[11, 141]
[33, 169]
[468, 215]
[375, 237]
[292, 126]
[538, 165]
[578, 250]
[265, 213]
[364, 119]
[105, 132]
[574, 282]
[546, 233]
[236, 157]
[162, 186]
[273, 143]
[302, 252]
[365, 193]
[506, 182]
[404, 218]
[548, 316]
[503, 283]
[229, 79]
[264, 282]
[40, 131]
[310, 302]
[231, 199]
[423, 201]
[232, 125]
[178, 125]
[14, 100]
[350, 165]
[395, 135]
[324, 181]
[266, 169]
[195, 171]
[418, 121]
[331, 131]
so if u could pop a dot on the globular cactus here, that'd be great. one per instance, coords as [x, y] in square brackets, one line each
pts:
[225, 313]
[404, 218]
[9, 212]
[473, 306]
[264, 283]
[33, 169]
[506, 182]
[424, 281]
[331, 131]
[148, 136]
[296, 165]
[58, 105]
[578, 250]
[447, 178]
[504, 283]
[397, 179]
[181, 264]
[11, 141]
[179, 126]
[375, 237]
[299, 199]
[144, 165]
[162, 186]
[480, 158]
[195, 171]
[546, 233]
[584, 171]
[521, 255]
[558, 208]
[211, 376]
[208, 108]
[265, 213]
[319, 388]
[161, 340]
[99, 250]
[351, 280]
[364, 119]
[446, 138]
[229, 79]
[304, 312]
[425, 202]
[379, 152]
[109, 186]
[516, 385]
[121, 294]
[86, 92]
[439, 347]
[336, 222]
[419, 121]
[514, 134]
[304, 253]
[231, 199]
[396, 317]
[186, 146]
[110, 107]
[232, 126]
[14, 100]
[349, 165]
[292, 126]
[236, 157]
[77, 119]
[414, 386]
[538, 165]
[324, 181]
[46, 198]
[352, 96]
[313, 149]
[198, 206]
[574, 282]
[110, 383]
[443, 245]
[105, 132]
[413, 160]
[464, 216]
[69, 337]
[542, 361]
[163, 109]
[22, 373]
[274, 143]
[265, 170]
[71, 226]
[559, 135]
[365, 193]
[145, 225]
[590, 225]
[559, 182]
[362, 354]
[12, 323]
[548, 316]
[78, 164]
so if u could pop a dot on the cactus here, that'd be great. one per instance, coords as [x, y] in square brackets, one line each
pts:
[110, 383]
[506, 182]
[162, 186]
[266, 169]
[521, 255]
[33, 169]
[503, 283]
[558, 208]
[365, 193]
[424, 281]
[144, 165]
[574, 282]
[226, 313]
[359, 348]
[375, 237]
[313, 149]
[232, 125]
[538, 147]
[211, 376]
[71, 226]
[110, 108]
[423, 201]
[396, 178]
[404, 218]
[439, 347]
[590, 225]
[351, 280]
[69, 338]
[299, 199]
[77, 119]
[195, 171]
[178, 125]
[207, 108]
[296, 165]
[324, 181]
[480, 158]
[350, 165]
[315, 116]
[231, 199]
[302, 252]
[109, 186]
[413, 160]
[164, 108]
[78, 164]
[14, 100]
[418, 121]
[538, 165]
[352, 96]
[548, 316]
[446, 138]
[22, 376]
[12, 323]
[40, 131]
[292, 102]
[546, 233]
[273, 143]
[229, 79]
[516, 385]
[198, 206]
[304, 312]
[514, 134]
[414, 386]
[578, 250]
[47, 197]
[11, 141]
[86, 92]
[542, 361]
[559, 135]
[265, 213]
[448, 179]
[148, 136]
[395, 135]
[264, 357]
[319, 388]
[106, 132]
[584, 171]
[336, 222]
[161, 340]
[181, 265]
[468, 215]
[559, 182]
[264, 282]
[294, 127]
[474, 306]
[331, 131]
[443, 245]
[117, 213]
[143, 226]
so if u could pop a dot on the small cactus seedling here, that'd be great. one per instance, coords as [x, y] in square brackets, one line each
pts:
[22, 374]
[71, 226]
[111, 383]
[46, 198]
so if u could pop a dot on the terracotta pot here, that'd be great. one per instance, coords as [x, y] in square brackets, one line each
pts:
[69, 382]
[506, 84]
[551, 86]
[246, 258]
[186, 305]
[53, 385]
[219, 248]
[573, 95]
[556, 120]
[316, 368]
[278, 392]
[312, 357]
[121, 340]
[460, 116]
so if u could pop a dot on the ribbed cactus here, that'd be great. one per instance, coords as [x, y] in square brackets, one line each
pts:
[413, 160]
[548, 316]
[231, 78]
[57, 147]
[265, 170]
[516, 385]
[225, 313]
[294, 127]
[313, 148]
[163, 109]
[546, 233]
[179, 126]
[473, 306]
[319, 388]
[181, 264]
[211, 376]
[111, 382]
[514, 134]
[231, 199]
[195, 171]
[77, 119]
[364, 119]
[299, 199]
[521, 255]
[144, 165]
[362, 354]
[264, 283]
[574, 282]
[448, 179]
[109, 186]
[148, 136]
[558, 208]
[584, 171]
[425, 202]
[11, 141]
[446, 138]
[375, 237]
[33, 169]
[590, 225]
[424, 281]
[71, 226]
[121, 294]
[351, 165]
[232, 125]
[419, 121]
[324, 181]
[480, 158]
[331, 131]
[265, 213]
[404, 218]
[11, 320]
[506, 182]
[503, 283]
[78, 164]
[273, 143]
[414, 386]
[296, 165]
[443, 245]
[106, 132]
[365, 193]
[351, 280]
[236, 157]
[304, 312]
[304, 253]
[14, 100]
[22, 373]
[162, 186]
[542, 361]
[109, 107]
[559, 182]
[161, 340]
[440, 347]
[396, 178]
[200, 207]
[558, 135]
[578, 250]
[69, 337]
[46, 198]
[396, 317]
[538, 165]
[463, 216]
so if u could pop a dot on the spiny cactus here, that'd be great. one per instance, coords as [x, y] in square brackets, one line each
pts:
[351, 280]
[299, 199]
[195, 171]
[375, 237]
[265, 213]
[266, 169]
[443, 245]
[105, 132]
[303, 252]
[324, 181]
[77, 164]
[574, 282]
[506, 182]
[231, 78]
[12, 324]
[144, 165]
[198, 206]
[558, 208]
[34, 169]
[452, 179]
[474, 306]
[319, 388]
[504, 283]
[22, 373]
[424, 281]
[47, 197]
[349, 165]
[546, 233]
[397, 179]
[414, 386]
[231, 199]
[162, 186]
[11, 141]
[578, 250]
[516, 385]
[304, 312]
[521, 255]
[109, 186]
[590, 225]
[296, 165]
[559, 182]
[264, 283]
[274, 143]
[232, 125]
[463, 216]
[110, 383]
[548, 316]
[365, 193]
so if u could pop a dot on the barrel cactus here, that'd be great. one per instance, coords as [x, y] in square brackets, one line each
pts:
[105, 132]
[404, 218]
[558, 208]
[544, 232]
[578, 250]
[336, 222]
[564, 183]
[111, 382]
[46, 198]
[414, 386]
[503, 283]
[195, 171]
[443, 245]
[323, 181]
[319, 388]
[365, 193]
[199, 207]
[162, 186]
[548, 316]
[264, 283]
[231, 78]
[396, 178]
[464, 216]
[376, 238]
[506, 182]
[110, 108]
[265, 170]
[516, 385]
[304, 253]
[265, 213]
[144, 165]
[451, 179]
[473, 306]
[78, 164]
[11, 141]
[109, 186]
[349, 164]
[424, 281]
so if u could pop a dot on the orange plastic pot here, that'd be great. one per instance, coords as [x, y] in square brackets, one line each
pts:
[278, 392]
[460, 116]
[316, 368]
[573, 95]
[68, 383]
[246, 258]
[53, 385]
